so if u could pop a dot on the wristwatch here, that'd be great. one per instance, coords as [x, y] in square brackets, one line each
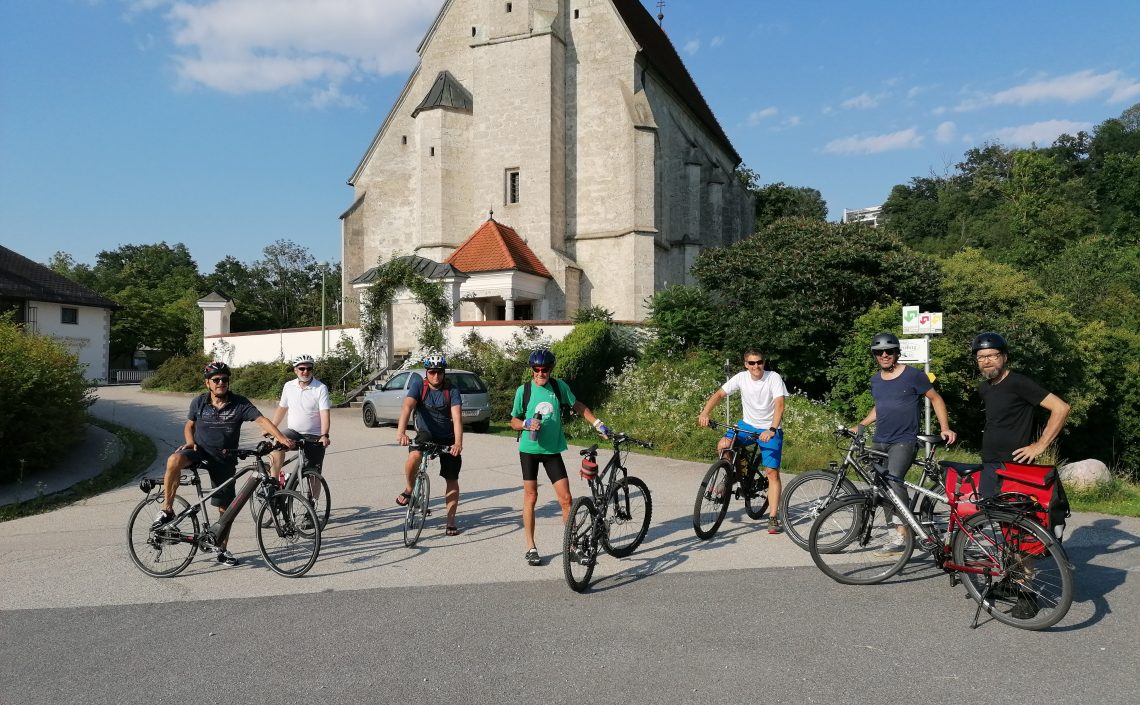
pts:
[773, 429]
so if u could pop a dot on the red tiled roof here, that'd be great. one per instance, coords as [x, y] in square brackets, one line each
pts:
[495, 247]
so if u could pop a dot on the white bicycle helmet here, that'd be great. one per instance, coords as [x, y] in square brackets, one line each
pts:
[304, 360]
[435, 361]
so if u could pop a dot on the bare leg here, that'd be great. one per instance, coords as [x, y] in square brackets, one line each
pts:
[530, 499]
[773, 490]
[452, 499]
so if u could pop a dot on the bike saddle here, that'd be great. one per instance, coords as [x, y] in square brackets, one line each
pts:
[592, 450]
[932, 440]
[963, 469]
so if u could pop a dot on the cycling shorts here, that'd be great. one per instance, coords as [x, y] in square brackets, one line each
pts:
[314, 449]
[220, 471]
[771, 451]
[449, 465]
[555, 466]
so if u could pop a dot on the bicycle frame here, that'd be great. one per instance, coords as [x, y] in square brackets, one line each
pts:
[604, 486]
[735, 450]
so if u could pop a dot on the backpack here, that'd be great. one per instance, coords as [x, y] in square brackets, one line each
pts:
[563, 409]
[446, 391]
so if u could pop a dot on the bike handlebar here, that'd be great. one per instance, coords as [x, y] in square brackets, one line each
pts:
[618, 439]
[713, 423]
[429, 447]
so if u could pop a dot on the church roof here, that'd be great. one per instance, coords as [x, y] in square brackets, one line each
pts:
[21, 278]
[446, 92]
[662, 56]
[427, 268]
[496, 247]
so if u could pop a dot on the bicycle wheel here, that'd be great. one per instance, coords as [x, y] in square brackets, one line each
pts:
[314, 489]
[756, 499]
[416, 516]
[579, 544]
[292, 540]
[851, 541]
[630, 507]
[712, 499]
[804, 497]
[166, 552]
[1024, 577]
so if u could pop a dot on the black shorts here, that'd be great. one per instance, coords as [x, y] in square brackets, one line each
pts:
[449, 465]
[220, 471]
[555, 467]
[314, 449]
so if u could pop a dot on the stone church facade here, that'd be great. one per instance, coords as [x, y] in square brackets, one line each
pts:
[576, 123]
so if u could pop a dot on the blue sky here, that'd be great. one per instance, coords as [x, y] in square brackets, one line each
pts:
[229, 124]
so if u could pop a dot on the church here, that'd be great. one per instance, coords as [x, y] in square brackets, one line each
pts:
[546, 155]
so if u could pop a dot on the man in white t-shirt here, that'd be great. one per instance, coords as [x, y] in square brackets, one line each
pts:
[306, 401]
[762, 398]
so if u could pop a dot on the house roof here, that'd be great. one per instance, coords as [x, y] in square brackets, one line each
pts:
[662, 56]
[427, 268]
[21, 278]
[495, 247]
[446, 92]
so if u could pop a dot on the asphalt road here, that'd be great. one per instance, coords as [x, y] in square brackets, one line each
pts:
[742, 618]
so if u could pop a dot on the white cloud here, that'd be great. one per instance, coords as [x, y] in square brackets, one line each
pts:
[758, 116]
[1040, 133]
[791, 121]
[904, 139]
[716, 41]
[1070, 88]
[692, 46]
[246, 46]
[860, 102]
[945, 132]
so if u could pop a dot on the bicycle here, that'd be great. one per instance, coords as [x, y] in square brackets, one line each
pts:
[314, 489]
[1013, 567]
[615, 516]
[417, 512]
[805, 496]
[289, 541]
[737, 467]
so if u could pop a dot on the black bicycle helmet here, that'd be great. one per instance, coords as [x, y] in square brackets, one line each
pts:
[541, 358]
[885, 341]
[989, 341]
[216, 368]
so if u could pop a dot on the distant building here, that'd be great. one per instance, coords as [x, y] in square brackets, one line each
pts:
[51, 304]
[577, 124]
[863, 215]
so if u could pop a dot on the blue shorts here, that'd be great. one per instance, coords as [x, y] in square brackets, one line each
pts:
[770, 452]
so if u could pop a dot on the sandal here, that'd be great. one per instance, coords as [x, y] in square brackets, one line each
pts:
[451, 531]
[403, 498]
[532, 557]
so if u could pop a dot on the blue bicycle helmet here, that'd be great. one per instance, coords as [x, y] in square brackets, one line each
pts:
[541, 358]
[435, 361]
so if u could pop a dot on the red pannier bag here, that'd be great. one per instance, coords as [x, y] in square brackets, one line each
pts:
[1043, 484]
[962, 488]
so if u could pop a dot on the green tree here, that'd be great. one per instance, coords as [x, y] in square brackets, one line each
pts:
[775, 201]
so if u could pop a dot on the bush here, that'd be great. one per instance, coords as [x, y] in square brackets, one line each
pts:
[500, 369]
[586, 356]
[261, 380]
[46, 395]
[181, 373]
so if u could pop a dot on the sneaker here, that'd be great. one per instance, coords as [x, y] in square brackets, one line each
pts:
[1026, 606]
[226, 557]
[162, 517]
[532, 557]
[306, 523]
[890, 548]
[774, 525]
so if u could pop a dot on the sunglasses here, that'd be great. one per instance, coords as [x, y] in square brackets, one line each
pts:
[303, 369]
[541, 370]
[435, 372]
[880, 353]
[753, 363]
[220, 380]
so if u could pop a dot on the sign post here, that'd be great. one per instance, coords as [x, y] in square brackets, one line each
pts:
[915, 350]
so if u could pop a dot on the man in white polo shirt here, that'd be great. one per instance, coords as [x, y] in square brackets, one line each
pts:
[306, 400]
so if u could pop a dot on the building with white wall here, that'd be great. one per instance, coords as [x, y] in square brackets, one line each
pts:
[577, 124]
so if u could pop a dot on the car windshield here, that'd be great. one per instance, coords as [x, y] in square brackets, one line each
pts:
[468, 383]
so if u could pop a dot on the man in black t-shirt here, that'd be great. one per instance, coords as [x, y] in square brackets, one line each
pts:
[1010, 401]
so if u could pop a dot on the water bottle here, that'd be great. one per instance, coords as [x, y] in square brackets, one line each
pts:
[534, 431]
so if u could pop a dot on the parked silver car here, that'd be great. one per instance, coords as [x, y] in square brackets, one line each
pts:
[383, 405]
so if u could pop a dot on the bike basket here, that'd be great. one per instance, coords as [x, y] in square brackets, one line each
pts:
[589, 469]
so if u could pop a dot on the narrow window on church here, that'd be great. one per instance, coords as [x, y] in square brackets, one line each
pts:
[508, 7]
[575, 14]
[472, 31]
[403, 139]
[512, 186]
[431, 152]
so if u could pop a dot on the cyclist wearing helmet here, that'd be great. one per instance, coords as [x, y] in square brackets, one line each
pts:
[762, 395]
[1010, 400]
[306, 401]
[897, 390]
[537, 414]
[213, 426]
[439, 418]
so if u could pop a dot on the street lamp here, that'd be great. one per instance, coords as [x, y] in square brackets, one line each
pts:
[324, 268]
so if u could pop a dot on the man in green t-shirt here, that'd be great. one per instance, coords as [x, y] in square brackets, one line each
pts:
[542, 440]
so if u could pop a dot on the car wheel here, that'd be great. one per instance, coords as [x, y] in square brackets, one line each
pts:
[369, 416]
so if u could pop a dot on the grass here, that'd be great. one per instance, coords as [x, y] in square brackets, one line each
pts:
[138, 454]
